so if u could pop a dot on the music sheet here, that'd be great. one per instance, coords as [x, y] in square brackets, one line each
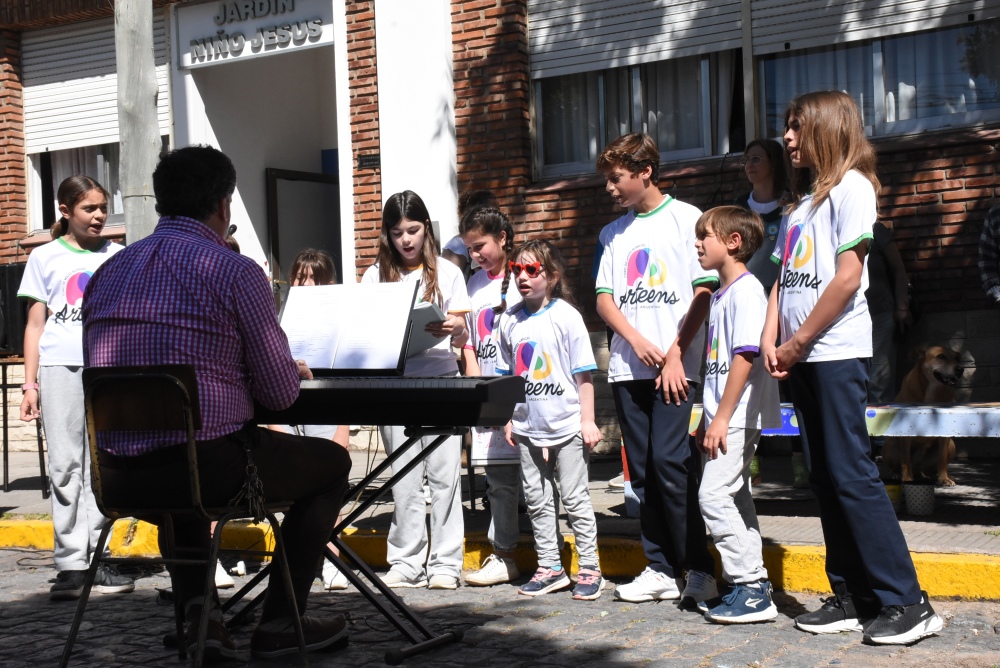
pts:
[490, 447]
[351, 326]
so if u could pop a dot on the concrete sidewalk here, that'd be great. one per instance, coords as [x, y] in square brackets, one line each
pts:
[956, 549]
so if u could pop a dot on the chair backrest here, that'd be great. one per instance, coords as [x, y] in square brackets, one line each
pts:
[142, 399]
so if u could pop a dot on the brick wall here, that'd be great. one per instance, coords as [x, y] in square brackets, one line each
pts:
[363, 84]
[936, 192]
[492, 105]
[13, 191]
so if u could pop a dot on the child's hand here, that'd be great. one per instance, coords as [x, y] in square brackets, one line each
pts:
[647, 352]
[673, 380]
[508, 434]
[699, 434]
[459, 340]
[29, 405]
[714, 441]
[787, 354]
[452, 325]
[591, 434]
[767, 351]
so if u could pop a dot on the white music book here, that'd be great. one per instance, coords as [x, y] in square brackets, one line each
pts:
[358, 328]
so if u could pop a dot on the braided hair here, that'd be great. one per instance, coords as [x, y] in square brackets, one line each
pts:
[490, 221]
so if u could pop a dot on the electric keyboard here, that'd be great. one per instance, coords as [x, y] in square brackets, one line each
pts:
[460, 401]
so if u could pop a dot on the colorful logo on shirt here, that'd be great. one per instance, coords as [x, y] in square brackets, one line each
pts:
[642, 265]
[75, 286]
[533, 362]
[797, 253]
[798, 247]
[485, 322]
[712, 366]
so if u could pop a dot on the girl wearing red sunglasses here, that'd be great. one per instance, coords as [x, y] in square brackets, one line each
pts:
[545, 341]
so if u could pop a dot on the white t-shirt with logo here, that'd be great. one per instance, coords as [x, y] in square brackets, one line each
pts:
[807, 249]
[439, 360]
[735, 324]
[56, 275]
[547, 348]
[648, 263]
[484, 294]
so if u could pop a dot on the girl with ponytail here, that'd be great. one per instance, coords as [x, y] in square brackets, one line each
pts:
[489, 236]
[54, 282]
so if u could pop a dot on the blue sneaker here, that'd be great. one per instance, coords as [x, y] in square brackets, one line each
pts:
[589, 584]
[745, 604]
[545, 580]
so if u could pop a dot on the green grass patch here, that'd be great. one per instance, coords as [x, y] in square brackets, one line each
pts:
[26, 516]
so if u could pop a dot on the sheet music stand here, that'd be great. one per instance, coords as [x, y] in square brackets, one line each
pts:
[484, 402]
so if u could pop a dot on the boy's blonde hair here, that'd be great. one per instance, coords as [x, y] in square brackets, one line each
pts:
[728, 220]
[832, 137]
[634, 152]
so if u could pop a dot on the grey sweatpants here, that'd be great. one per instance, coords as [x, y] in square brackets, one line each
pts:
[409, 549]
[75, 518]
[727, 506]
[538, 476]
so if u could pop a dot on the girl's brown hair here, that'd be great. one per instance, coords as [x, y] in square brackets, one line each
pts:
[491, 222]
[319, 261]
[408, 204]
[71, 191]
[552, 262]
[832, 138]
[776, 155]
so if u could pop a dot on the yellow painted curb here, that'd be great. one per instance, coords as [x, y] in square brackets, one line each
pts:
[791, 568]
[31, 534]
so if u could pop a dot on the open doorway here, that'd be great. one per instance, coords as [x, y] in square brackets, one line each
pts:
[303, 211]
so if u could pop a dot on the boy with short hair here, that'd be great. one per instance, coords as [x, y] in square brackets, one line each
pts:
[654, 296]
[740, 399]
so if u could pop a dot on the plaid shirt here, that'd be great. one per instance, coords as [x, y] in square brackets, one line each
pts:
[989, 255]
[181, 296]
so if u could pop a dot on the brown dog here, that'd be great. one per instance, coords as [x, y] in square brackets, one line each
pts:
[932, 380]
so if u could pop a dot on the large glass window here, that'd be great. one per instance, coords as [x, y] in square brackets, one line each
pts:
[577, 115]
[902, 84]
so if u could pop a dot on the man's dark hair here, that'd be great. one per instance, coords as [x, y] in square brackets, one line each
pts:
[190, 181]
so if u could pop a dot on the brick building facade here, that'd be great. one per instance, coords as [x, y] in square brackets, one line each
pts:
[938, 185]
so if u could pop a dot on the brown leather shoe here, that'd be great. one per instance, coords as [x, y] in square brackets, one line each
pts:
[320, 633]
[219, 646]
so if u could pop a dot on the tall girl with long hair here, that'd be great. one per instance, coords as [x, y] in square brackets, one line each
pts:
[818, 315]
[54, 281]
[408, 252]
[489, 236]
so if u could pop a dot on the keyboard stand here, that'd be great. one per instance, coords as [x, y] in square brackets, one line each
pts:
[393, 608]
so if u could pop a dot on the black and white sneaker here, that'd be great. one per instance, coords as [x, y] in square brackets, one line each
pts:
[108, 580]
[837, 614]
[902, 625]
[68, 586]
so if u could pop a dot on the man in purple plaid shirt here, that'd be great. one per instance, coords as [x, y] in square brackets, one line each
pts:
[181, 296]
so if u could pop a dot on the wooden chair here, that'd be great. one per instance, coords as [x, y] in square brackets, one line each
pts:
[162, 399]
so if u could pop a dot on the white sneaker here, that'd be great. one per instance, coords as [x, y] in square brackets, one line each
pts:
[495, 570]
[333, 579]
[396, 580]
[699, 587]
[650, 585]
[222, 579]
[443, 582]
